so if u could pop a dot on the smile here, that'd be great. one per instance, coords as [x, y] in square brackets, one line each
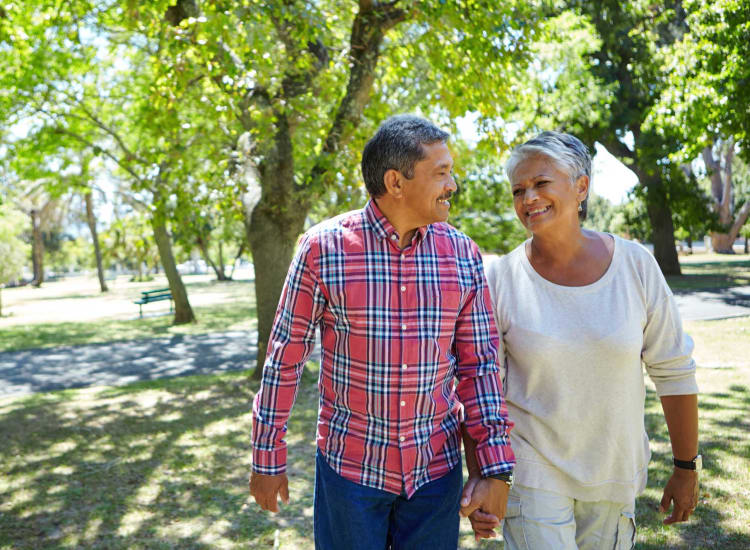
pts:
[537, 211]
[445, 202]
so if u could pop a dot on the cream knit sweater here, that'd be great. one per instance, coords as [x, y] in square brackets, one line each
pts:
[573, 377]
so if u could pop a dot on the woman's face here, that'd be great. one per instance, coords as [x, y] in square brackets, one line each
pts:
[543, 195]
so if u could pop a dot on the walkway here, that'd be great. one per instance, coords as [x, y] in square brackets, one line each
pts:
[117, 363]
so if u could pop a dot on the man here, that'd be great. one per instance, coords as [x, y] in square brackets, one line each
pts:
[402, 304]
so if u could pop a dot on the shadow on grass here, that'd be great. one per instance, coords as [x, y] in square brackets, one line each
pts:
[713, 524]
[153, 465]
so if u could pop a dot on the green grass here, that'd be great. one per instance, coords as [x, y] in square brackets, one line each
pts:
[238, 315]
[711, 271]
[164, 464]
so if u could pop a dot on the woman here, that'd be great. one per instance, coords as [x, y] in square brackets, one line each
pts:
[578, 311]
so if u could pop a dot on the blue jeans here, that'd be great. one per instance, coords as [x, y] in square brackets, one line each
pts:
[352, 516]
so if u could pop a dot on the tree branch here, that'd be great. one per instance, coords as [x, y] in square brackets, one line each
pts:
[368, 30]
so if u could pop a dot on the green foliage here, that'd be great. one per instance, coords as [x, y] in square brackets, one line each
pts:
[708, 95]
[129, 242]
[600, 213]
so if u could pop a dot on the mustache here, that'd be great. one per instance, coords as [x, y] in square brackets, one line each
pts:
[446, 196]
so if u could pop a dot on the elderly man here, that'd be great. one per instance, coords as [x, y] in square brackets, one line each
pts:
[409, 352]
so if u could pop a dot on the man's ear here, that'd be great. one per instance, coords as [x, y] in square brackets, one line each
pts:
[394, 183]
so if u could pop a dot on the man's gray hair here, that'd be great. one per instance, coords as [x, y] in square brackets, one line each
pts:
[397, 145]
[566, 151]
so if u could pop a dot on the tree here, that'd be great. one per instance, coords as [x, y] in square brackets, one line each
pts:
[13, 251]
[706, 107]
[634, 39]
[298, 79]
[719, 161]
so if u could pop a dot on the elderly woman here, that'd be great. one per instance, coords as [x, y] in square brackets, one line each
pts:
[578, 312]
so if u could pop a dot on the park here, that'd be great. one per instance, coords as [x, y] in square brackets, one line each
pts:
[159, 162]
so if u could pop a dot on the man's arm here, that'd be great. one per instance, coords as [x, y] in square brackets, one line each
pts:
[480, 390]
[681, 413]
[292, 340]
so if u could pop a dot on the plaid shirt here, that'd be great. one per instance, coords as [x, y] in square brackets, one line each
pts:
[398, 327]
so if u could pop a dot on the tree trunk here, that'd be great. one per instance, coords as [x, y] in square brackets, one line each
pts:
[204, 250]
[183, 313]
[722, 243]
[91, 220]
[272, 235]
[37, 248]
[662, 227]
[1, 300]
[690, 244]
[746, 250]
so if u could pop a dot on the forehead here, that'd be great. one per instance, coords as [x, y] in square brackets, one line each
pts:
[436, 154]
[535, 166]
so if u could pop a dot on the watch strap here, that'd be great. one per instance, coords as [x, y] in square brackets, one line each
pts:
[686, 464]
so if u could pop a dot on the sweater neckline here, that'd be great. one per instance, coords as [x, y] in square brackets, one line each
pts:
[601, 281]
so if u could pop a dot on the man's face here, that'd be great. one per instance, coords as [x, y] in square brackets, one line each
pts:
[426, 196]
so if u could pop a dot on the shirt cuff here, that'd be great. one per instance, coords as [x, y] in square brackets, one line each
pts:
[270, 463]
[495, 459]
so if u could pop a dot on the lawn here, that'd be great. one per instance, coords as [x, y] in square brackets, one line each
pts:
[164, 464]
[711, 271]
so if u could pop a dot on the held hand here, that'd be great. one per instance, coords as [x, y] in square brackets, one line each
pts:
[266, 490]
[482, 523]
[682, 489]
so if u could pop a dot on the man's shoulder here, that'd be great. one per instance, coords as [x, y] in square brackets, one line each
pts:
[444, 230]
[333, 227]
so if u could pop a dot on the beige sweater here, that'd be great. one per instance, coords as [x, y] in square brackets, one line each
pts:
[573, 377]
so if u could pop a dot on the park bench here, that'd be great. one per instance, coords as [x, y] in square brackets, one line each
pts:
[148, 296]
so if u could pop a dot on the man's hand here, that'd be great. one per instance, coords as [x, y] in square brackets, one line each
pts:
[484, 502]
[682, 489]
[482, 523]
[267, 489]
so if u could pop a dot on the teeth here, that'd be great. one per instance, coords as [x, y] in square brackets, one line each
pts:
[538, 210]
[445, 202]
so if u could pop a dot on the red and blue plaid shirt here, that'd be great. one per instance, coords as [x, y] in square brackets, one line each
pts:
[409, 351]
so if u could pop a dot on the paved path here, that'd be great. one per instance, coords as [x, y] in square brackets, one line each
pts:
[714, 304]
[37, 370]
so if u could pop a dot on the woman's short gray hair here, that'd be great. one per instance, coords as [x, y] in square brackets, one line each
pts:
[566, 151]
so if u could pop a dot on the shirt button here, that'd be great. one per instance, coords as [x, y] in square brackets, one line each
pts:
[403, 403]
[403, 256]
[403, 289]
[403, 327]
[402, 439]
[403, 366]
[394, 237]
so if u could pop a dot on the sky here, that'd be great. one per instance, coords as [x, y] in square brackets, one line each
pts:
[611, 178]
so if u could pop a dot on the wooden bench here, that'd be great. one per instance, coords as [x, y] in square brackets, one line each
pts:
[148, 296]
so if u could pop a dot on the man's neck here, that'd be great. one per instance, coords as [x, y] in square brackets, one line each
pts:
[397, 219]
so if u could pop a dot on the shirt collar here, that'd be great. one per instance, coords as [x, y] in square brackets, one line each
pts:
[380, 224]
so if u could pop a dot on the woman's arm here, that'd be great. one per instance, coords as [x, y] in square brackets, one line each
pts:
[681, 413]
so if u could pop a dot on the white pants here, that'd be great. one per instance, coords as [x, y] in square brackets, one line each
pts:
[542, 520]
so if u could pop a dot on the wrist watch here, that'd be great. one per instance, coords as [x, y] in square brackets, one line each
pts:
[695, 464]
[507, 477]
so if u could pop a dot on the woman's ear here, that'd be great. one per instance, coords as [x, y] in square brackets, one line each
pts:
[582, 188]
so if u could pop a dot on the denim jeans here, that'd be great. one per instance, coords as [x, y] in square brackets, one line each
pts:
[352, 516]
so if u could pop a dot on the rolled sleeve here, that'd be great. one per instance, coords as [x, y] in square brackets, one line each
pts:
[667, 351]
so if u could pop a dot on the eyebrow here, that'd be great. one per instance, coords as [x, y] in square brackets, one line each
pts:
[443, 165]
[540, 175]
